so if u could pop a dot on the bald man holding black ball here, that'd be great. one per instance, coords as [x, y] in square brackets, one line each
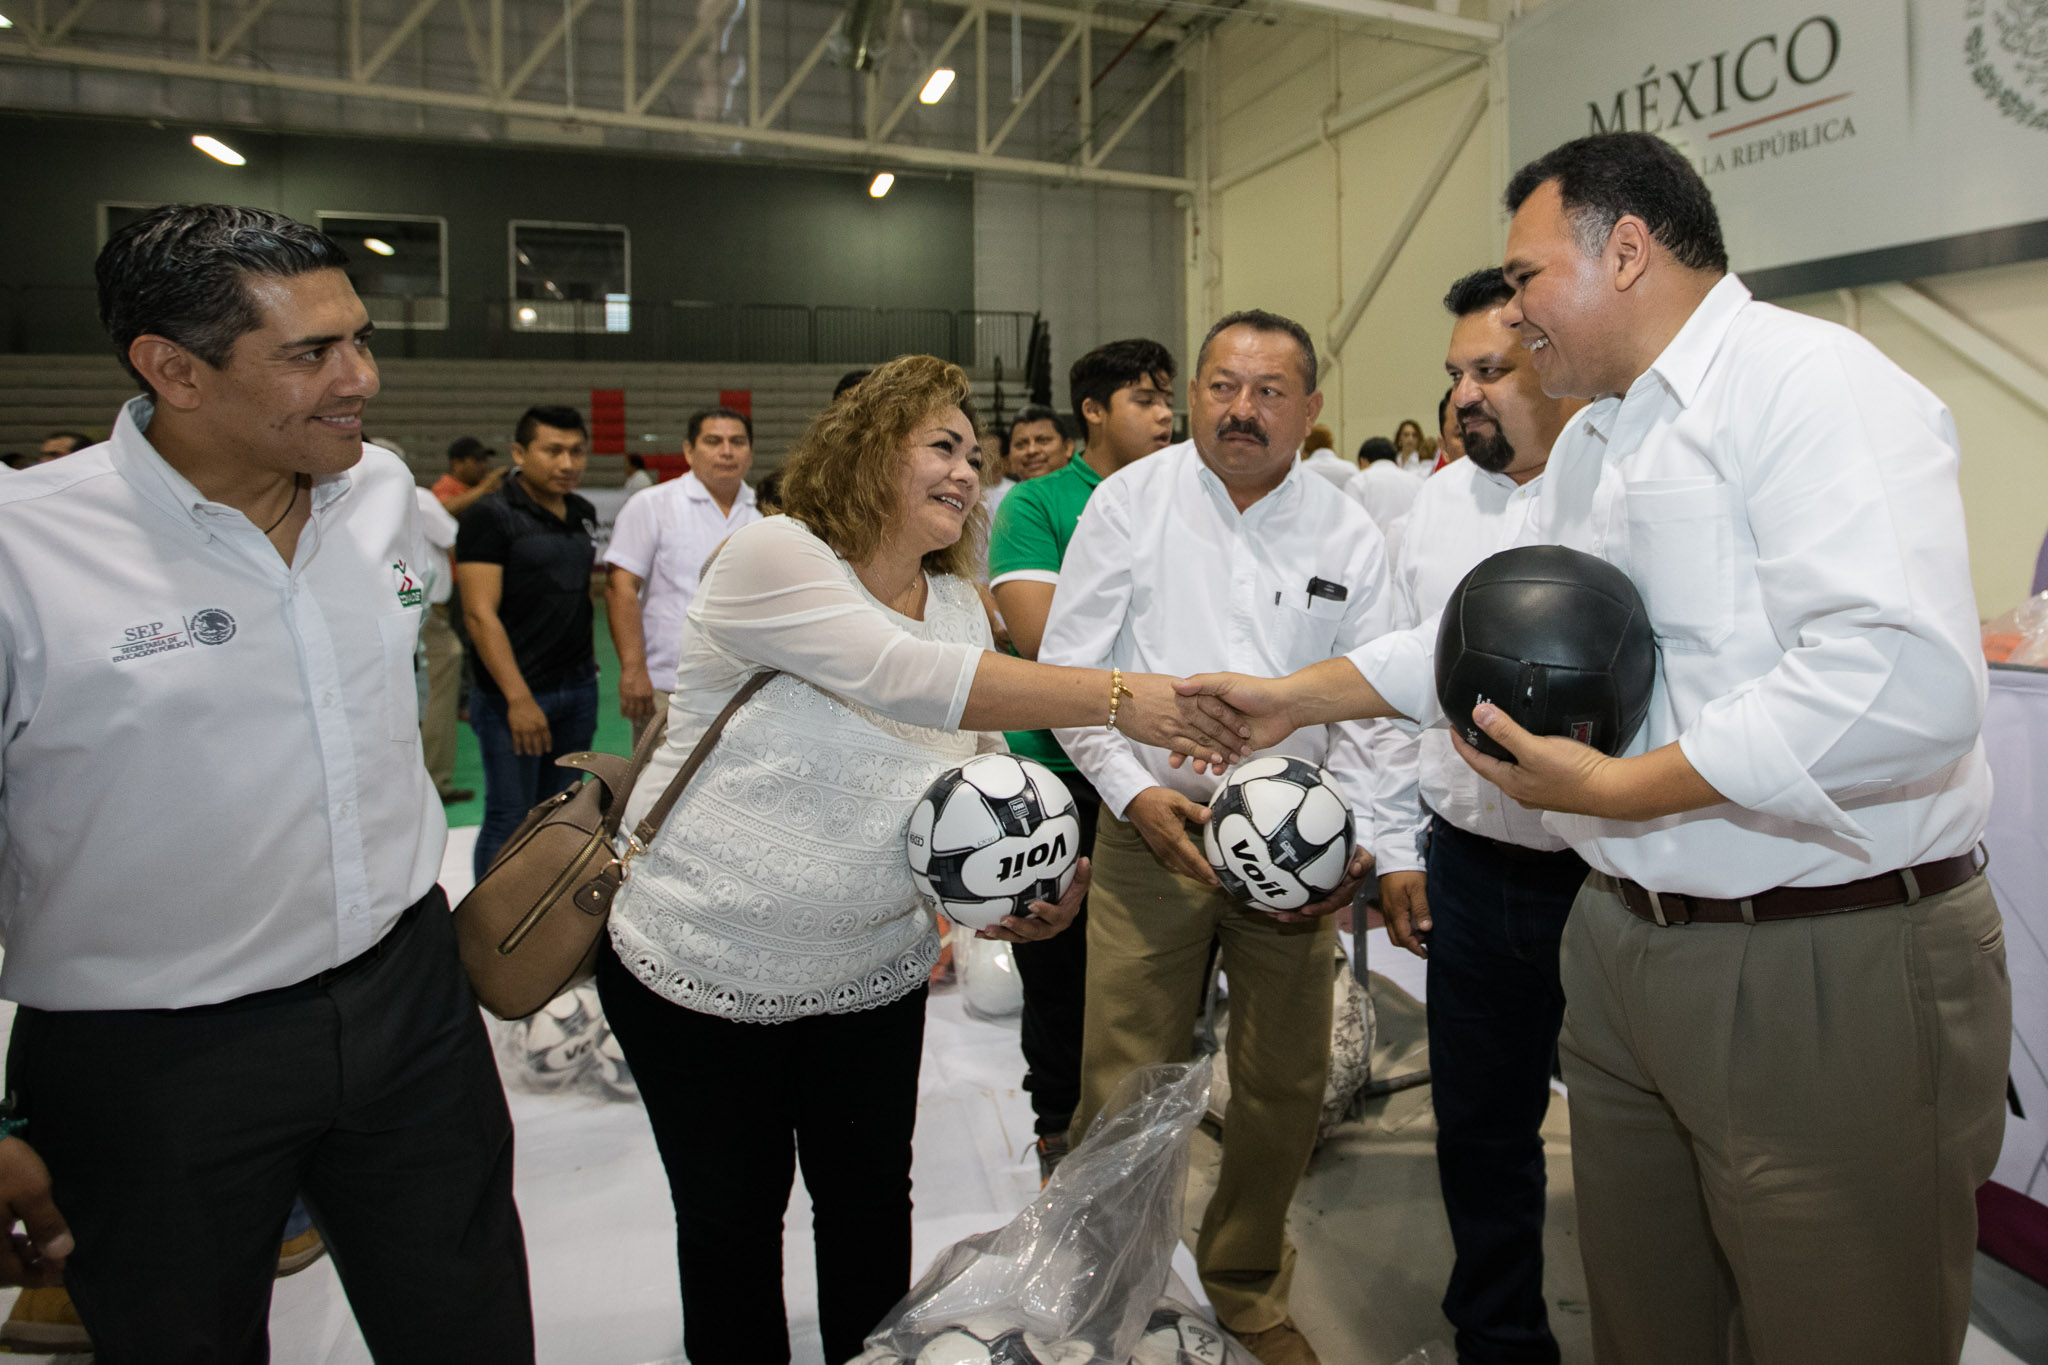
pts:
[1787, 1015]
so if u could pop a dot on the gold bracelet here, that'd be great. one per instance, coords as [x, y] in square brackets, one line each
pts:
[1117, 692]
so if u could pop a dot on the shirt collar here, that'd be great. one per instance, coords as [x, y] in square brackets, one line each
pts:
[694, 489]
[1681, 368]
[137, 461]
[1283, 495]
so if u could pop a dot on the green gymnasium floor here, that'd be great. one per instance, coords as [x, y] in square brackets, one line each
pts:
[614, 731]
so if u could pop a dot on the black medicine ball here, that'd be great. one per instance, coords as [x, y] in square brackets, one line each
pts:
[1558, 639]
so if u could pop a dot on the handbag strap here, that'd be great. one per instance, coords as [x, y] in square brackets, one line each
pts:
[650, 823]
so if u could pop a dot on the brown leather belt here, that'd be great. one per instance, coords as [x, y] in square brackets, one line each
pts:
[1902, 887]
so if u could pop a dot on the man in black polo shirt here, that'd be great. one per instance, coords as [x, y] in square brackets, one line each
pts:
[523, 562]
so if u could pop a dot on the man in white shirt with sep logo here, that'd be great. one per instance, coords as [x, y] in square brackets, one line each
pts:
[659, 544]
[238, 979]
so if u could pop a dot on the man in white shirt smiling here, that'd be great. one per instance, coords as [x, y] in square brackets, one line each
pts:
[1499, 885]
[1219, 551]
[238, 978]
[1787, 1021]
[658, 547]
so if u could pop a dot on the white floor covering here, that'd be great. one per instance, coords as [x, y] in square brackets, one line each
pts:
[598, 1225]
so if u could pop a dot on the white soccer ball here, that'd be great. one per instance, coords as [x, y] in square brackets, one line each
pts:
[562, 1039]
[1175, 1336]
[991, 836]
[1279, 833]
[611, 1073]
[988, 1341]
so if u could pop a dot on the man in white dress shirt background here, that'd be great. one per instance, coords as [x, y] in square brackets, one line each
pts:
[1787, 1018]
[1222, 548]
[1379, 484]
[237, 976]
[1498, 885]
[659, 543]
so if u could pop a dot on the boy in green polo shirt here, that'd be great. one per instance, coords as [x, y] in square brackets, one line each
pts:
[1123, 398]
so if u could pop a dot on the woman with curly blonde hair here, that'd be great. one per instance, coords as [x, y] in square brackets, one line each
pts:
[770, 952]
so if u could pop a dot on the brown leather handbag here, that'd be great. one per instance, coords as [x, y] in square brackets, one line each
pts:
[533, 925]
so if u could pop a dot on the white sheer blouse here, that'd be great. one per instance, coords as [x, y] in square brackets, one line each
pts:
[779, 888]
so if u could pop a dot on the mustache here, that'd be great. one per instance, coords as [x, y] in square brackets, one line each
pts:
[1241, 426]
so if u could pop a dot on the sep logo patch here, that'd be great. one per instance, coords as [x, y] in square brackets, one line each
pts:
[207, 626]
[410, 593]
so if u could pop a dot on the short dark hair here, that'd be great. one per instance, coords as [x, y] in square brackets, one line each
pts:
[1112, 366]
[1259, 320]
[79, 440]
[1602, 177]
[848, 380]
[468, 448]
[698, 419]
[1376, 448]
[560, 417]
[178, 272]
[1443, 406]
[1037, 412]
[1477, 292]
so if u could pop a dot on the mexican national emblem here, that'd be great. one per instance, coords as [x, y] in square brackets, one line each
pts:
[212, 626]
[2007, 51]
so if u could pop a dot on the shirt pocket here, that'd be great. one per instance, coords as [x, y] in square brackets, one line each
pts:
[1682, 553]
[1306, 628]
[399, 633]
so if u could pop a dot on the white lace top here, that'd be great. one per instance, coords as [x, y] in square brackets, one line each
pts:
[778, 887]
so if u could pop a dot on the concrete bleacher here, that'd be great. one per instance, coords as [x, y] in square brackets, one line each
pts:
[425, 404]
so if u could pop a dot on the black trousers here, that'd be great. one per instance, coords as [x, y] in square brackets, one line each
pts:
[1054, 974]
[177, 1139]
[734, 1107]
[1495, 1007]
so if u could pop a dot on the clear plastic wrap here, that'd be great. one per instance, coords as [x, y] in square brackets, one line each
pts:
[1076, 1276]
[2020, 636]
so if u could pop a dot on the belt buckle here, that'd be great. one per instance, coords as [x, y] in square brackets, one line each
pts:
[1657, 910]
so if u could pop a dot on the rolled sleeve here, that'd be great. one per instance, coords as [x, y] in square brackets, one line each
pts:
[1858, 529]
[1401, 666]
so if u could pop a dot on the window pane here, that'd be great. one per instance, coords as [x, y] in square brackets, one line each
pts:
[569, 277]
[389, 257]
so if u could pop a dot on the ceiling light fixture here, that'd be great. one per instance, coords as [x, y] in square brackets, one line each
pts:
[881, 185]
[529, 316]
[935, 89]
[6, 22]
[218, 150]
[380, 246]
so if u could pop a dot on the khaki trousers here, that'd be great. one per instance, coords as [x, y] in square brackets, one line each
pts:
[660, 712]
[444, 696]
[1778, 1131]
[1149, 932]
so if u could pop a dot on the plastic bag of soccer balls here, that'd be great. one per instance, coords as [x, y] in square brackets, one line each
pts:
[1074, 1278]
[564, 1046]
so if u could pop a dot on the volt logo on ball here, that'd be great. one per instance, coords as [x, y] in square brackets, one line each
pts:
[1280, 833]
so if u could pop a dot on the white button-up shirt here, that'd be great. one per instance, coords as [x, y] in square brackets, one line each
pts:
[210, 773]
[1386, 491]
[662, 536]
[1165, 575]
[1789, 512]
[1461, 515]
